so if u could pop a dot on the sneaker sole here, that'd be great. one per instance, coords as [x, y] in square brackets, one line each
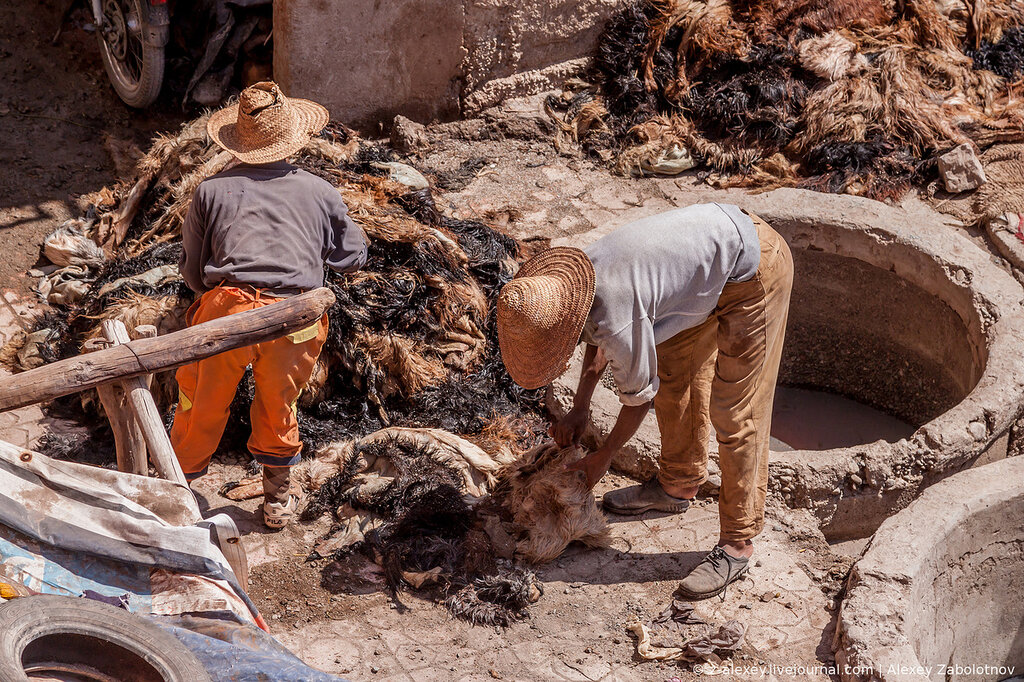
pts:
[636, 511]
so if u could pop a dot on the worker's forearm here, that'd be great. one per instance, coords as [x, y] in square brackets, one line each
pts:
[629, 420]
[594, 364]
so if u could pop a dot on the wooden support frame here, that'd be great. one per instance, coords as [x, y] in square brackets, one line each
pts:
[147, 356]
[121, 370]
[129, 443]
[134, 415]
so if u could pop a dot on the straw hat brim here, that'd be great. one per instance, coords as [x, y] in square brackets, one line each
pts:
[310, 119]
[533, 362]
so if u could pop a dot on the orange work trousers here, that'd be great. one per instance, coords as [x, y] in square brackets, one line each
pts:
[281, 369]
[723, 373]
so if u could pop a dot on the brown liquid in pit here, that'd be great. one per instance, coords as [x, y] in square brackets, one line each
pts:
[805, 419]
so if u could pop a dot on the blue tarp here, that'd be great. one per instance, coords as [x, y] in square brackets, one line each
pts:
[131, 541]
[238, 653]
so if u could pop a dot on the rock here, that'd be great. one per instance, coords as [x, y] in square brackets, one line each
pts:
[961, 169]
[1005, 231]
[521, 118]
[714, 483]
[977, 430]
[408, 136]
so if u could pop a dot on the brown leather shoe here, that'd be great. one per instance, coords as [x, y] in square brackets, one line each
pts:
[712, 575]
[638, 499]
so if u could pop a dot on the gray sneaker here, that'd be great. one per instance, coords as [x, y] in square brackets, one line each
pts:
[638, 499]
[712, 575]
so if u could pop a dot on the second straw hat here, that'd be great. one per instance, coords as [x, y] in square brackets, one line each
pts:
[541, 314]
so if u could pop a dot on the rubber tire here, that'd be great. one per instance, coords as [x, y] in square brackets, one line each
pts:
[25, 619]
[151, 80]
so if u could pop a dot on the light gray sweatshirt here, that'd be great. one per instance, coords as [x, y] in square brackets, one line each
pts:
[661, 275]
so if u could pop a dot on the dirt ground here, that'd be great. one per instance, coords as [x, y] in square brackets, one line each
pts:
[63, 126]
[340, 618]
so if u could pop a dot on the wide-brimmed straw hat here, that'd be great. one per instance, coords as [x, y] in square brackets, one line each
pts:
[541, 314]
[264, 125]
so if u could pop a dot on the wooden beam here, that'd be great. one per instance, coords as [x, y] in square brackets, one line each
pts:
[129, 443]
[147, 356]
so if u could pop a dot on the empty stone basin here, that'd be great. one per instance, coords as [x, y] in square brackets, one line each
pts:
[906, 319]
[939, 593]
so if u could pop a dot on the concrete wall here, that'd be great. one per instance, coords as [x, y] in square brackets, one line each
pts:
[368, 60]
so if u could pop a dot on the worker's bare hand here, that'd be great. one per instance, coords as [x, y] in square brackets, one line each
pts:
[594, 466]
[569, 429]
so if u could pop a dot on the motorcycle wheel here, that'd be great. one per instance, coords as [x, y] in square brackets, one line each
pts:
[134, 66]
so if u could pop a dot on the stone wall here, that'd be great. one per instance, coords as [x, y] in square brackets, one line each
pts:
[368, 60]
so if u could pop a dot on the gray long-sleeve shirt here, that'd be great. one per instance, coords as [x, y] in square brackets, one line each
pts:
[661, 275]
[271, 226]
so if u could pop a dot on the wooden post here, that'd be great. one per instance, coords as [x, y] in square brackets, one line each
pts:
[145, 413]
[146, 356]
[128, 441]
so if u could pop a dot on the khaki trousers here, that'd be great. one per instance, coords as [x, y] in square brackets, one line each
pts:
[725, 371]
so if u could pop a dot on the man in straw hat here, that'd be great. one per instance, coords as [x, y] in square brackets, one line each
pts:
[689, 310]
[256, 233]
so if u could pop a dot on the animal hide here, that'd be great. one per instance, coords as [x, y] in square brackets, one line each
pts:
[882, 87]
[452, 514]
[550, 506]
[412, 499]
[477, 469]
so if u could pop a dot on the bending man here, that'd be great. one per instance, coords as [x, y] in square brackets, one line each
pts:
[689, 310]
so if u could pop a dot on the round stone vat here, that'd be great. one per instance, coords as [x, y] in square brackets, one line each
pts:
[939, 593]
[901, 363]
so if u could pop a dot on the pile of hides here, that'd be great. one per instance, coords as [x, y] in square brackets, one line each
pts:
[412, 339]
[679, 635]
[854, 96]
[458, 518]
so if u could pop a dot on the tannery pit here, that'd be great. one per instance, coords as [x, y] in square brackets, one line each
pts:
[938, 592]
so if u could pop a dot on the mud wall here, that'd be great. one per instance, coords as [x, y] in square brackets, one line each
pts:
[368, 60]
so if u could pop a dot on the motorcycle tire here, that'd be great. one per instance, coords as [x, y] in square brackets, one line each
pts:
[137, 84]
[50, 636]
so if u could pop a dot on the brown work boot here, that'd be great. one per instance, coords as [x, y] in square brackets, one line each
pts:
[280, 497]
[638, 499]
[712, 575]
